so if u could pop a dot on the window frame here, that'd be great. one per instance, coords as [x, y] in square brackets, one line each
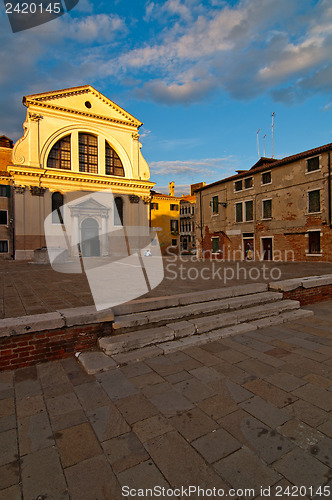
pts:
[88, 153]
[241, 204]
[4, 241]
[240, 182]
[316, 169]
[5, 224]
[60, 151]
[61, 206]
[308, 202]
[174, 207]
[113, 157]
[266, 183]
[215, 238]
[215, 204]
[263, 203]
[248, 179]
[309, 233]
[176, 222]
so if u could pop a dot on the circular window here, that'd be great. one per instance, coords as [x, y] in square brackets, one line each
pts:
[88, 104]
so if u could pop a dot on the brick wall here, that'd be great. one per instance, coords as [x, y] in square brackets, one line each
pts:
[310, 295]
[30, 349]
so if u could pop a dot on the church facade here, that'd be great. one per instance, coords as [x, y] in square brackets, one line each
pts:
[76, 143]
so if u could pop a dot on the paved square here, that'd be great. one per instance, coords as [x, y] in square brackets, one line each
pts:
[246, 412]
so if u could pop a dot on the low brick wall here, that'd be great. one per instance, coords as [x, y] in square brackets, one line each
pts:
[310, 295]
[18, 351]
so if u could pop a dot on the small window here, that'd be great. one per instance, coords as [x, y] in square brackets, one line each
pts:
[215, 245]
[248, 183]
[266, 178]
[4, 190]
[313, 164]
[249, 208]
[215, 204]
[267, 209]
[174, 207]
[57, 208]
[314, 241]
[4, 246]
[314, 201]
[3, 217]
[192, 209]
[154, 206]
[238, 212]
[174, 225]
[238, 185]
[118, 212]
[174, 243]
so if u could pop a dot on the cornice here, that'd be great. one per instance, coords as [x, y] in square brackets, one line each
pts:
[40, 100]
[76, 177]
[83, 113]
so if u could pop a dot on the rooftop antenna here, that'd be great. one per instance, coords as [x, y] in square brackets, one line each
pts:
[264, 145]
[258, 142]
[273, 115]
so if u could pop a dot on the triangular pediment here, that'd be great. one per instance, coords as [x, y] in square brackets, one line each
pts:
[89, 204]
[83, 100]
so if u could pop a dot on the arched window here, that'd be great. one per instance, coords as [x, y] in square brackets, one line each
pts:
[118, 212]
[59, 156]
[88, 153]
[57, 208]
[113, 164]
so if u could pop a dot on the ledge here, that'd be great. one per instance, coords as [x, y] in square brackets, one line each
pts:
[307, 282]
[52, 321]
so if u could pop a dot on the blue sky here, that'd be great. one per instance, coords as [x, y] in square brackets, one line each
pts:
[203, 76]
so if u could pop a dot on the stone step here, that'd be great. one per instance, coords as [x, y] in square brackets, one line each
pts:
[155, 303]
[125, 342]
[96, 362]
[131, 322]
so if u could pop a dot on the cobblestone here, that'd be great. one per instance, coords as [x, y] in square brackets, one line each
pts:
[213, 416]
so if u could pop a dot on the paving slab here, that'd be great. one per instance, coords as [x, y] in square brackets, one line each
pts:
[193, 424]
[76, 444]
[42, 476]
[124, 452]
[92, 478]
[243, 469]
[189, 468]
[266, 443]
[107, 422]
[303, 469]
[265, 412]
[216, 445]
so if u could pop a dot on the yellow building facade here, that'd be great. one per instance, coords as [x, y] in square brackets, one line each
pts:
[76, 141]
[165, 213]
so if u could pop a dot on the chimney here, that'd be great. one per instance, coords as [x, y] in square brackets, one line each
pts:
[171, 188]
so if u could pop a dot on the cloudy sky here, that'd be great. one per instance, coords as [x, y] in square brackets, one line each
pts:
[203, 76]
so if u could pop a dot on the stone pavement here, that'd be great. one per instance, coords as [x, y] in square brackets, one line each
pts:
[27, 289]
[245, 412]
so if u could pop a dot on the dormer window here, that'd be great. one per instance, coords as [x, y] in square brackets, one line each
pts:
[59, 156]
[88, 153]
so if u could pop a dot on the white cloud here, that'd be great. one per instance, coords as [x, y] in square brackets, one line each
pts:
[205, 166]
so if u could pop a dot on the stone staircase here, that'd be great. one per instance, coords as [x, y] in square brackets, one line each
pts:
[149, 327]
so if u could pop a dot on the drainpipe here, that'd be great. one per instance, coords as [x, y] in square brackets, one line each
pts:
[329, 190]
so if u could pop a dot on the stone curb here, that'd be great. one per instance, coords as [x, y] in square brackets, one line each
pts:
[307, 282]
[51, 321]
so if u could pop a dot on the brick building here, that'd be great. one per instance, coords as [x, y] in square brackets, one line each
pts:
[277, 210]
